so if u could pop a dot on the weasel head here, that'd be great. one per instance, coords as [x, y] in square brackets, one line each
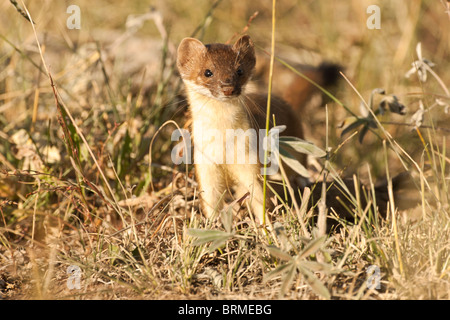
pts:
[216, 70]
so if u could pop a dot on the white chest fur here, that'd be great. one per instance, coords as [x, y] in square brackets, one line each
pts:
[225, 151]
[221, 131]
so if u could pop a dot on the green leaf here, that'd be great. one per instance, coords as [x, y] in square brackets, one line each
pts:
[278, 253]
[293, 163]
[317, 266]
[288, 278]
[312, 247]
[302, 146]
[352, 126]
[363, 132]
[226, 215]
[314, 282]
[277, 129]
[205, 236]
[277, 271]
[218, 243]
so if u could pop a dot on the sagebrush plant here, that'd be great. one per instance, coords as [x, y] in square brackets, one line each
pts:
[78, 187]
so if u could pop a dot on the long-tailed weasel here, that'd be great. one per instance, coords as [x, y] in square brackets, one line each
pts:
[215, 77]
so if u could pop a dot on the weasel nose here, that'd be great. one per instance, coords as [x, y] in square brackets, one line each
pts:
[231, 91]
[228, 91]
[230, 87]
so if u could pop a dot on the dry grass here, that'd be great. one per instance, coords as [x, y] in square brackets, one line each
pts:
[75, 182]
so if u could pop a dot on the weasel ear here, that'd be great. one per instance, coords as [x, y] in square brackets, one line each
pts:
[189, 51]
[245, 48]
[244, 44]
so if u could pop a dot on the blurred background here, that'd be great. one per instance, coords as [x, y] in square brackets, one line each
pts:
[118, 67]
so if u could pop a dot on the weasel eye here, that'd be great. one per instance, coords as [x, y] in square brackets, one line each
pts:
[240, 72]
[208, 73]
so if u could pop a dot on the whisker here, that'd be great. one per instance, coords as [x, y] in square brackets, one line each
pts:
[179, 109]
[252, 118]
